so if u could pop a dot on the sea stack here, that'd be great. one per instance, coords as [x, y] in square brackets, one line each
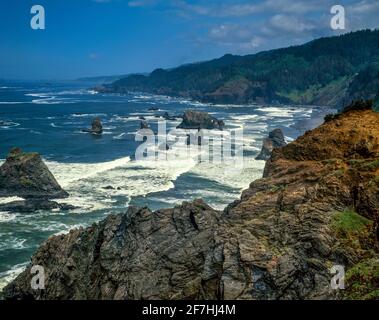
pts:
[144, 125]
[275, 140]
[96, 127]
[25, 175]
[200, 120]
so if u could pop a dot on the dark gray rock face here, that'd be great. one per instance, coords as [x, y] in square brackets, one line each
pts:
[96, 127]
[167, 254]
[200, 120]
[166, 116]
[144, 125]
[25, 175]
[31, 205]
[275, 140]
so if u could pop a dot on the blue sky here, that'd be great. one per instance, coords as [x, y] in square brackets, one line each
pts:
[107, 37]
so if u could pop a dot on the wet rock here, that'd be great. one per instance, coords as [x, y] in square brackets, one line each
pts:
[143, 255]
[200, 120]
[144, 125]
[166, 116]
[25, 175]
[32, 205]
[275, 140]
[96, 127]
[108, 188]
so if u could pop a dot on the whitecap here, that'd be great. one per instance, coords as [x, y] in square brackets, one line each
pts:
[87, 115]
[235, 177]
[5, 200]
[120, 136]
[6, 216]
[35, 132]
[9, 275]
[86, 182]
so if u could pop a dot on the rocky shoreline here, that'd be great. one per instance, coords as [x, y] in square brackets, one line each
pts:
[316, 206]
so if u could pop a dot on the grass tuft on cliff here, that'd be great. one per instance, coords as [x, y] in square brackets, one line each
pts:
[362, 280]
[349, 223]
[357, 105]
[353, 231]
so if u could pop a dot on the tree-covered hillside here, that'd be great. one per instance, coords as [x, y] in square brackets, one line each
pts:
[328, 71]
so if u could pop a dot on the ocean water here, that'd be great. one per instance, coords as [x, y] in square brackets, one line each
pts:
[48, 118]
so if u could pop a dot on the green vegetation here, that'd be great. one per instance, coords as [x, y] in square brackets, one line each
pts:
[359, 105]
[301, 96]
[366, 84]
[355, 236]
[353, 231]
[349, 223]
[373, 165]
[338, 173]
[26, 182]
[356, 162]
[332, 71]
[277, 188]
[362, 280]
[330, 117]
[18, 154]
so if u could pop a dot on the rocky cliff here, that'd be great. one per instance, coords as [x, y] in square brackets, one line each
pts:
[25, 175]
[316, 206]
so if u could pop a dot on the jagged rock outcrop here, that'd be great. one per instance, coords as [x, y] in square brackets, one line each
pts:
[200, 120]
[275, 140]
[96, 127]
[144, 125]
[166, 116]
[317, 206]
[31, 205]
[25, 175]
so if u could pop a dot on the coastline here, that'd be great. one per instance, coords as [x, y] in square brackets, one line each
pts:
[240, 240]
[301, 125]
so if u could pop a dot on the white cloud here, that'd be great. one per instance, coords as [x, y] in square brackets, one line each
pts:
[364, 7]
[142, 3]
[245, 26]
[291, 24]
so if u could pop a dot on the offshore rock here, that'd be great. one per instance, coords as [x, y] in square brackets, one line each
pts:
[275, 140]
[144, 125]
[31, 205]
[200, 120]
[25, 175]
[96, 127]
